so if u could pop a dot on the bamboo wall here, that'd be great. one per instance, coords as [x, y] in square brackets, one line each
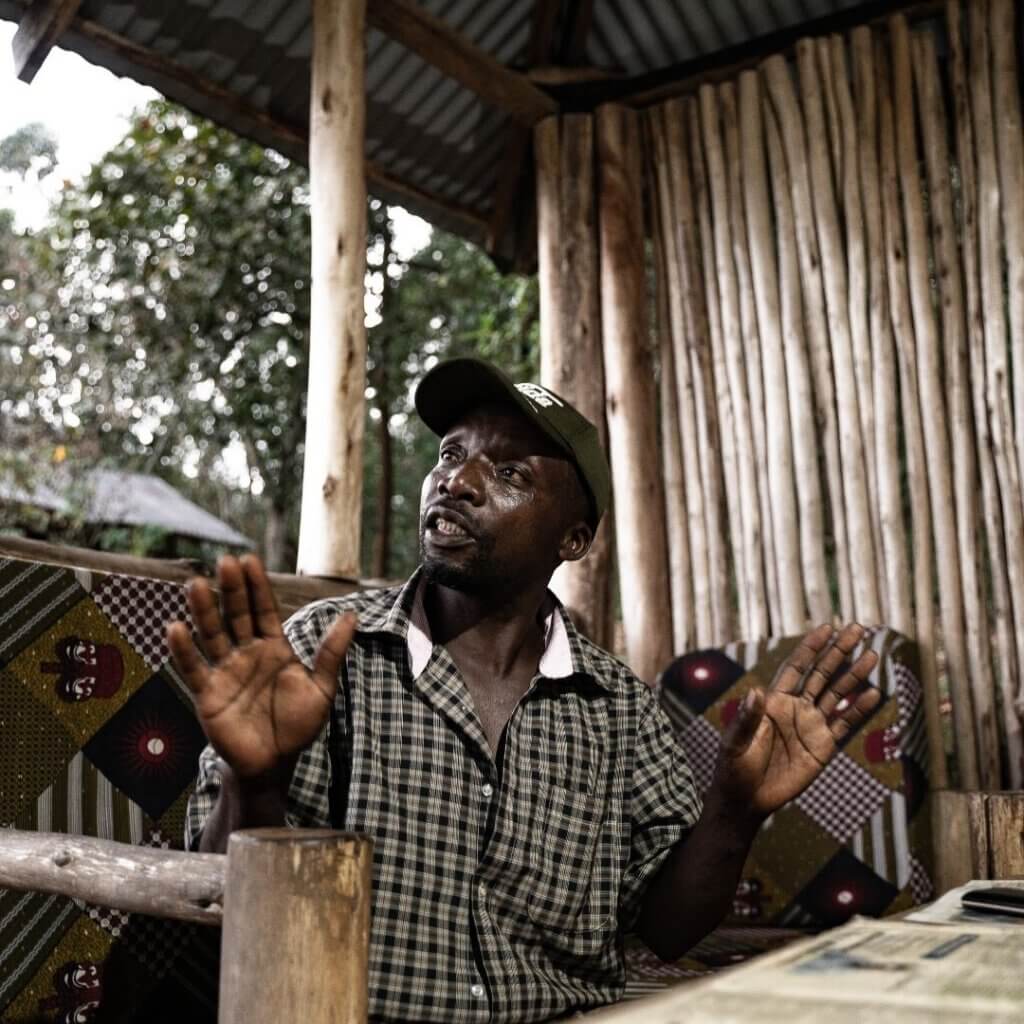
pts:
[839, 268]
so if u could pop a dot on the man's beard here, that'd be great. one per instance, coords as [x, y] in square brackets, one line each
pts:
[479, 575]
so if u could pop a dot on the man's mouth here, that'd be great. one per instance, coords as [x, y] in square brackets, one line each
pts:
[446, 529]
[449, 528]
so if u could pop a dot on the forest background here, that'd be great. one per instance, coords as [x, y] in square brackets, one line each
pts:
[158, 322]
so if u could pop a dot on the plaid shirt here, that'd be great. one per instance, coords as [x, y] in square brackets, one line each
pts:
[502, 884]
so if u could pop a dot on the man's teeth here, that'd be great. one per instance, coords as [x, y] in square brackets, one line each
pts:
[449, 529]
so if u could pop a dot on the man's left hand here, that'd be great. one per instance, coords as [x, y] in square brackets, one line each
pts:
[783, 737]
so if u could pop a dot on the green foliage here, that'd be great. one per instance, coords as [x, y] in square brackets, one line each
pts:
[160, 322]
[31, 149]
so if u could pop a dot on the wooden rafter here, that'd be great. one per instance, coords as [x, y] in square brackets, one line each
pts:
[517, 146]
[291, 139]
[40, 27]
[458, 57]
[574, 39]
[687, 76]
[542, 33]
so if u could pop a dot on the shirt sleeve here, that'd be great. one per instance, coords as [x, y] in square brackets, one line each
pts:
[309, 793]
[665, 806]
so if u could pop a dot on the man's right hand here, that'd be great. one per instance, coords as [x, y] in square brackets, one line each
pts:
[257, 703]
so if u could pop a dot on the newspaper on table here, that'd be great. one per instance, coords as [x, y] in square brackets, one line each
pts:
[898, 971]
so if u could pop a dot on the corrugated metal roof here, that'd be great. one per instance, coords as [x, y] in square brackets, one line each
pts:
[108, 496]
[245, 63]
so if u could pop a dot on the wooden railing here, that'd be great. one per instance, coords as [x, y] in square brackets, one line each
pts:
[292, 592]
[294, 905]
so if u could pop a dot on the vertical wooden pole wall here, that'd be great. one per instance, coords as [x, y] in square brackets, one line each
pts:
[332, 480]
[571, 360]
[632, 395]
[861, 327]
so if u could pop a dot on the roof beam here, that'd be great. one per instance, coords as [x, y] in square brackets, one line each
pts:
[686, 77]
[290, 139]
[40, 27]
[574, 45]
[458, 57]
[510, 183]
[506, 192]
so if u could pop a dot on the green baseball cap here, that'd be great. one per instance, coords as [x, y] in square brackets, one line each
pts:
[455, 387]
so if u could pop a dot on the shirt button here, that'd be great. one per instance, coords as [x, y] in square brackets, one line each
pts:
[477, 991]
[487, 789]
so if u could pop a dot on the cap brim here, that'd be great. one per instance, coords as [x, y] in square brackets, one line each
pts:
[455, 387]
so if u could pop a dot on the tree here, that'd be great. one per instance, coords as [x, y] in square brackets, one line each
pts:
[172, 288]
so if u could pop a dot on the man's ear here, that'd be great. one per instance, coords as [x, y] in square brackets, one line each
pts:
[576, 542]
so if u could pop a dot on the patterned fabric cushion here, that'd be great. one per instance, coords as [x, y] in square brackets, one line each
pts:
[99, 739]
[857, 841]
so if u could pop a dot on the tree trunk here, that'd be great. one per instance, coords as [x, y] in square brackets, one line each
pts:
[381, 556]
[275, 537]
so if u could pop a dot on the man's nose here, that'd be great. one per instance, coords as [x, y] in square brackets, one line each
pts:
[463, 483]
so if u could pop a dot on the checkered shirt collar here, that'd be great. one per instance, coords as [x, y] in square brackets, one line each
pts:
[564, 653]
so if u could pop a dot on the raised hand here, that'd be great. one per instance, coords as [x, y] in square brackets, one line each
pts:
[257, 703]
[783, 737]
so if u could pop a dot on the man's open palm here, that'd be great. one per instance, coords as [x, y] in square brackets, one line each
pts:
[783, 737]
[257, 703]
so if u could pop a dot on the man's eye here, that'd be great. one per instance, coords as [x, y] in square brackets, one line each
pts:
[447, 455]
[512, 473]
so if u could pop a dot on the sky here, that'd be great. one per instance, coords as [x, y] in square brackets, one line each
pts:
[88, 108]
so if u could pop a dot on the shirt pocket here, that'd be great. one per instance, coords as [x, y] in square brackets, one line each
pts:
[570, 894]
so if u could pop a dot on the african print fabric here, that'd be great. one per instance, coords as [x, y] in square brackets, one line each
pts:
[858, 840]
[99, 739]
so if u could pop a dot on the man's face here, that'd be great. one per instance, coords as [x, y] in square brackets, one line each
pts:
[495, 510]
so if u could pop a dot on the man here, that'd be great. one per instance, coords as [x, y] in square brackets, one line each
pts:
[527, 799]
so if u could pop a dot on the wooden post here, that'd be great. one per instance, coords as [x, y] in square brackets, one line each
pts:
[730, 372]
[848, 186]
[632, 396]
[685, 400]
[751, 341]
[979, 680]
[570, 329]
[332, 480]
[737, 498]
[990, 241]
[992, 515]
[897, 606]
[779, 442]
[833, 257]
[933, 407]
[780, 88]
[687, 275]
[1009, 134]
[296, 927]
[1010, 149]
[803, 435]
[676, 533]
[917, 484]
